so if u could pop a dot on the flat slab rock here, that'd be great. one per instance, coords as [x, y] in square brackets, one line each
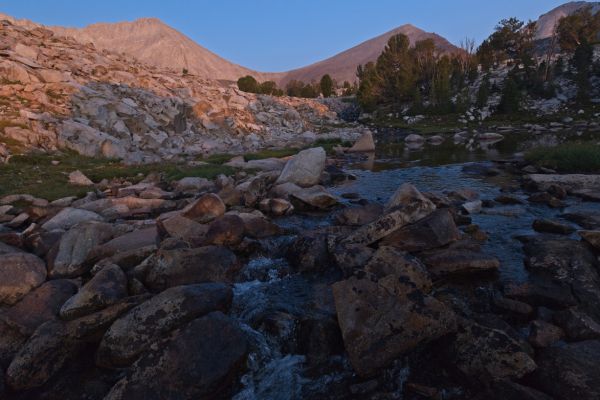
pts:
[573, 181]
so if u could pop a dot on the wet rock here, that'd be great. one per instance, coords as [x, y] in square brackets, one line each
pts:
[197, 362]
[568, 263]
[79, 179]
[364, 144]
[358, 216]
[379, 326]
[544, 334]
[457, 261]
[514, 307]
[577, 325]
[404, 210]
[69, 217]
[305, 168]
[188, 266]
[436, 230]
[591, 237]
[39, 306]
[545, 198]
[507, 389]
[569, 371]
[55, 342]
[319, 337]
[489, 136]
[313, 197]
[205, 209]
[130, 336]
[541, 292]
[507, 199]
[19, 274]
[226, 230]
[105, 288]
[588, 219]
[75, 246]
[486, 354]
[309, 252]
[472, 207]
[414, 138]
[550, 226]
[405, 196]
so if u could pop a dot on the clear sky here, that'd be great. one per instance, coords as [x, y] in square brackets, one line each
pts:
[277, 35]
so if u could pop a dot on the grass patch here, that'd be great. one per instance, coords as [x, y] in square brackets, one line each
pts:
[271, 153]
[34, 173]
[570, 157]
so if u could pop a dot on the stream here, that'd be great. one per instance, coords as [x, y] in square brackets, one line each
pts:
[271, 303]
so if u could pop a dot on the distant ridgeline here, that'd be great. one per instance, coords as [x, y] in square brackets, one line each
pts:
[517, 67]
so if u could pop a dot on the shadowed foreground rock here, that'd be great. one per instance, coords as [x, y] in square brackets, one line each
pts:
[132, 334]
[379, 324]
[196, 362]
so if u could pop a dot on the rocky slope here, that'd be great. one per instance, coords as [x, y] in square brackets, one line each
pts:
[59, 93]
[153, 42]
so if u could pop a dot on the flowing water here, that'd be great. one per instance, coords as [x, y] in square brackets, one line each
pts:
[268, 289]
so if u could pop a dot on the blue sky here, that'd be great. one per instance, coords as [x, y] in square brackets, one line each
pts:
[277, 35]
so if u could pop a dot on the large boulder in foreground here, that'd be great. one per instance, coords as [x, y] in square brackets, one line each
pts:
[487, 354]
[55, 342]
[188, 266]
[305, 168]
[19, 274]
[380, 323]
[570, 371]
[198, 362]
[132, 334]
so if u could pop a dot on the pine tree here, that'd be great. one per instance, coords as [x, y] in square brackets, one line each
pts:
[326, 85]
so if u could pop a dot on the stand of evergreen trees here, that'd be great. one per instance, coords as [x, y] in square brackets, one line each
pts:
[295, 88]
[419, 79]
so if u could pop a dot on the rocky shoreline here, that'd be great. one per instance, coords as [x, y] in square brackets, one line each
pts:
[134, 290]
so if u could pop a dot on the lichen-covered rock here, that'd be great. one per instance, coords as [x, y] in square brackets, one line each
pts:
[488, 354]
[197, 362]
[380, 324]
[132, 335]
